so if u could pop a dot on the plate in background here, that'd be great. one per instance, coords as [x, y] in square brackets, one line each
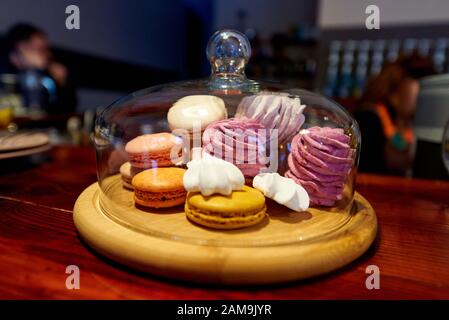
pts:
[21, 141]
[24, 152]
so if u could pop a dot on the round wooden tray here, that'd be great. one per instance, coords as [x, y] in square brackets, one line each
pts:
[297, 246]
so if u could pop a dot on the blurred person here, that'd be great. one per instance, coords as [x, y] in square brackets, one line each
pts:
[27, 51]
[387, 108]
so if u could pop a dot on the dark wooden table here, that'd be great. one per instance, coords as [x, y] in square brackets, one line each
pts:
[38, 240]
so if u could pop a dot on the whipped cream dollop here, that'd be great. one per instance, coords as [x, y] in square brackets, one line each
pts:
[282, 190]
[210, 175]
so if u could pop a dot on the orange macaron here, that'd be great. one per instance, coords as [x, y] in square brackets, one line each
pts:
[152, 150]
[159, 187]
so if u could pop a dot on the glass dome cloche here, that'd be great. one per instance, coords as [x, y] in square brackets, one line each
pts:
[226, 180]
[216, 161]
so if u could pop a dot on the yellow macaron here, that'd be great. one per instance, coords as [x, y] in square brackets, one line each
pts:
[243, 208]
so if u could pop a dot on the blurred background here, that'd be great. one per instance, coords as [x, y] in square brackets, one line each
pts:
[392, 79]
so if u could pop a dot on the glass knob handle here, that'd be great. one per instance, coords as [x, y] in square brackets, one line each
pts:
[228, 51]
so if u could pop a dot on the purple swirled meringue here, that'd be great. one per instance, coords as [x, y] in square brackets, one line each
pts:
[244, 142]
[320, 161]
[274, 111]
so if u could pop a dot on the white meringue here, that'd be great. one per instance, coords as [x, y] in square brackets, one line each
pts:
[203, 109]
[275, 111]
[210, 175]
[282, 190]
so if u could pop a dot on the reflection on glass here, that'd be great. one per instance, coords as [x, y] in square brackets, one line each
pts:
[445, 146]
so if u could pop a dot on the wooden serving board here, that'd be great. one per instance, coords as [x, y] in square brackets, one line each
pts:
[286, 246]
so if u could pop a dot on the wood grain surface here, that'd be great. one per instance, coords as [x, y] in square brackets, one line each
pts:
[300, 245]
[38, 240]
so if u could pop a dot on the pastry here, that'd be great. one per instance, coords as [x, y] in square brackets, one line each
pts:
[201, 109]
[127, 173]
[282, 190]
[320, 161]
[210, 175]
[244, 142]
[274, 111]
[240, 209]
[152, 150]
[159, 187]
